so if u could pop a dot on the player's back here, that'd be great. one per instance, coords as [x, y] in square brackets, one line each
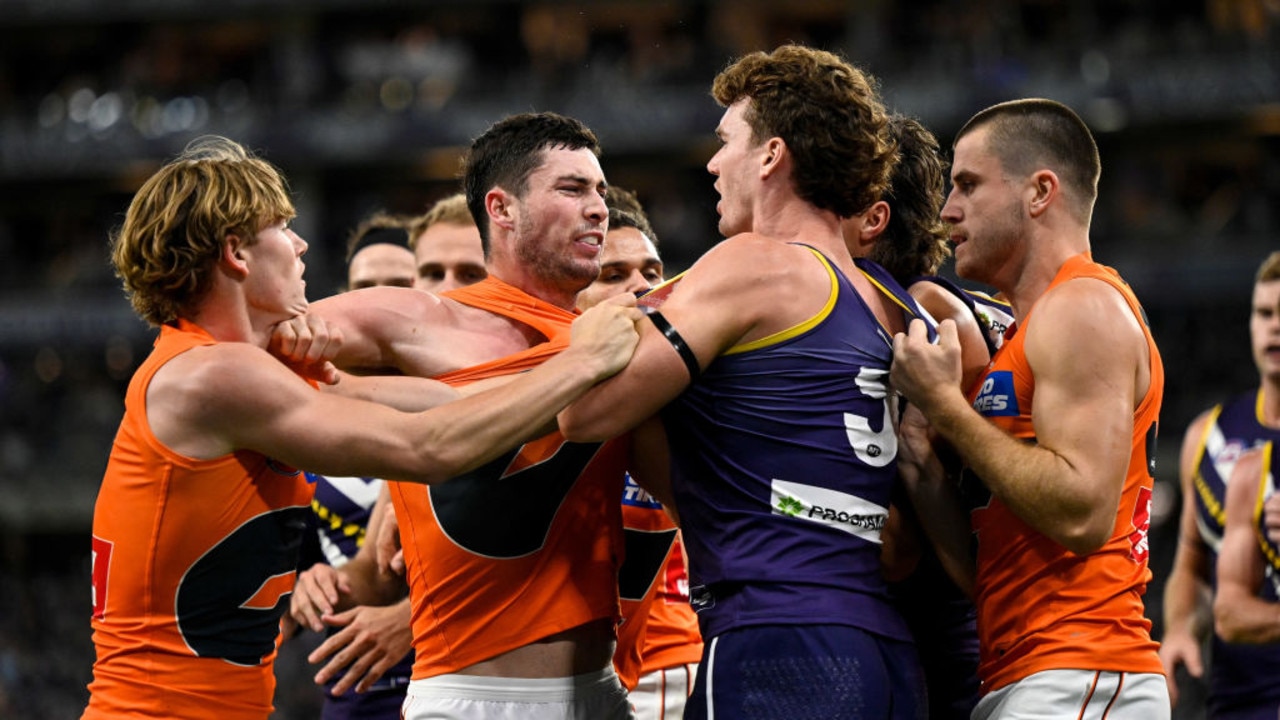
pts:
[783, 459]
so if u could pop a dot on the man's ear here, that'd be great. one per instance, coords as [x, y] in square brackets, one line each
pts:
[499, 204]
[875, 220]
[772, 156]
[1044, 191]
[235, 257]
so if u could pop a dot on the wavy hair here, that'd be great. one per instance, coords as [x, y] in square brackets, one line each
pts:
[829, 114]
[173, 233]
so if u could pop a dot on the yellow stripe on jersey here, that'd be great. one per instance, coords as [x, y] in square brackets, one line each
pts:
[801, 328]
[1202, 488]
[1264, 489]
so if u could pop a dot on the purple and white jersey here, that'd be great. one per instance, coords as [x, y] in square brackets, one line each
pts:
[1241, 676]
[783, 460]
[342, 506]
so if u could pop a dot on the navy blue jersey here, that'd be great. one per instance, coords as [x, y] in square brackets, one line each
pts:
[342, 506]
[783, 461]
[943, 621]
[1242, 677]
[994, 316]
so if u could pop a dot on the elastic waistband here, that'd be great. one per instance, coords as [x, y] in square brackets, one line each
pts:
[505, 689]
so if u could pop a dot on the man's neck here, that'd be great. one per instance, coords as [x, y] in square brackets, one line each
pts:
[1270, 405]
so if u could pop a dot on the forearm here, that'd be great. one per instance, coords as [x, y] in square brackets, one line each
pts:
[653, 378]
[1037, 484]
[479, 428]
[943, 519]
[410, 394]
[368, 586]
[1242, 617]
[1184, 604]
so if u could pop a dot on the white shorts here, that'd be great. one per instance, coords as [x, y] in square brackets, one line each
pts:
[1078, 694]
[661, 694]
[592, 696]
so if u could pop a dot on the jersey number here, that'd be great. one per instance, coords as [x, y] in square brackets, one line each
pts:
[876, 448]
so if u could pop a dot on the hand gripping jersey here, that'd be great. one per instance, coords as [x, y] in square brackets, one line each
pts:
[659, 628]
[942, 619]
[994, 316]
[342, 507]
[1040, 606]
[193, 563]
[524, 547]
[783, 457]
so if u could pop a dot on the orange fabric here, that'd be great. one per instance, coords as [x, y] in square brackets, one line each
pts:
[522, 548]
[659, 629]
[193, 563]
[500, 298]
[1040, 606]
[672, 636]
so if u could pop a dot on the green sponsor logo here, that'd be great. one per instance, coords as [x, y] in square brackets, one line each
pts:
[790, 506]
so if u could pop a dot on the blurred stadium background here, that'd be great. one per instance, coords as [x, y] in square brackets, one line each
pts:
[367, 104]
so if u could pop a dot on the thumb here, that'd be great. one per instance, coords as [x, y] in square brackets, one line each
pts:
[625, 299]
[1194, 665]
[947, 335]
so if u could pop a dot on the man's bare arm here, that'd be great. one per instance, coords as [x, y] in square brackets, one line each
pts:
[1087, 353]
[718, 303]
[1239, 614]
[1186, 593]
[229, 396]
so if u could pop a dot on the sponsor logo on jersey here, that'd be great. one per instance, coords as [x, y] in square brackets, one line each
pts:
[1139, 545]
[101, 566]
[996, 398]
[636, 496]
[825, 506]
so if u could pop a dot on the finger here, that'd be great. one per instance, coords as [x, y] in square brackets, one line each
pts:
[316, 337]
[397, 562]
[374, 674]
[947, 336]
[622, 300]
[1195, 668]
[899, 343]
[303, 609]
[285, 338]
[352, 676]
[333, 645]
[329, 374]
[311, 617]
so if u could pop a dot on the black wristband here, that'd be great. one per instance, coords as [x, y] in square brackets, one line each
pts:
[677, 342]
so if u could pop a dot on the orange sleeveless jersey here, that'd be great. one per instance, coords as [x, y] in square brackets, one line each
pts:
[1040, 606]
[524, 547]
[659, 628]
[193, 564]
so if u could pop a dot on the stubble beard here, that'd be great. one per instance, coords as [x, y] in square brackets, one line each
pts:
[989, 254]
[555, 269]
